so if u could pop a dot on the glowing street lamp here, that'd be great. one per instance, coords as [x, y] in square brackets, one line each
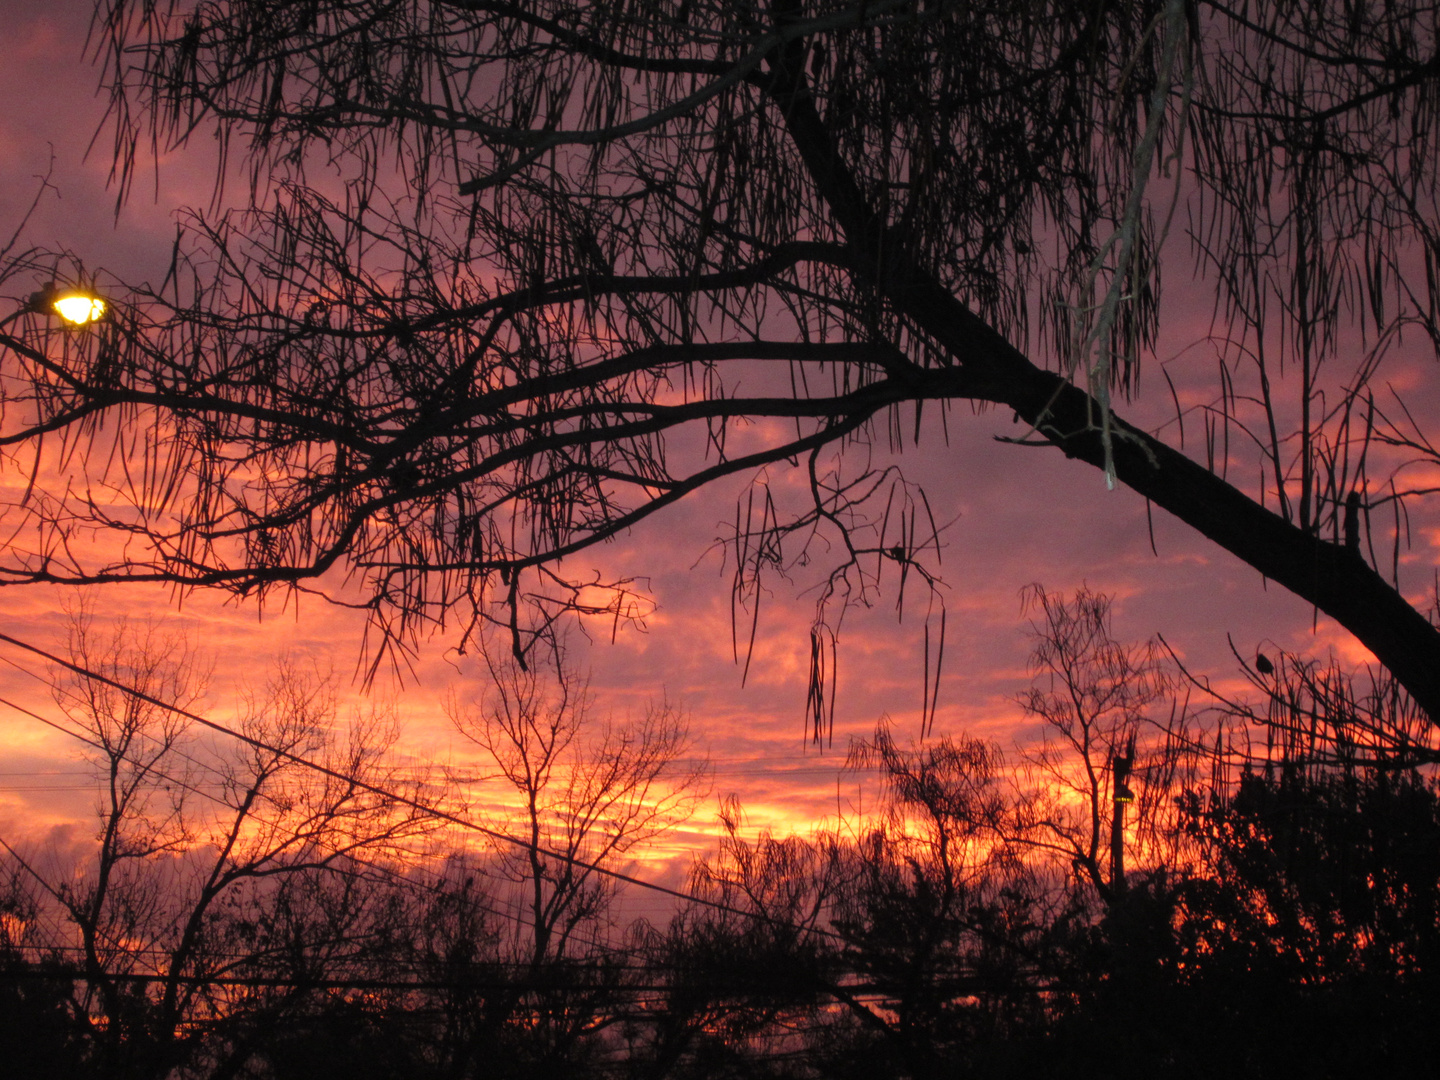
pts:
[77, 306]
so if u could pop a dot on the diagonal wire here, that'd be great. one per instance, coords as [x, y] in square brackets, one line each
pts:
[408, 801]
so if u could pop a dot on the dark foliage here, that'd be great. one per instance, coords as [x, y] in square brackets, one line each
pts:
[1294, 930]
[1303, 945]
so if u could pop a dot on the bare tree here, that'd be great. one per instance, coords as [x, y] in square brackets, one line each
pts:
[1115, 734]
[903, 940]
[495, 256]
[753, 958]
[591, 791]
[198, 847]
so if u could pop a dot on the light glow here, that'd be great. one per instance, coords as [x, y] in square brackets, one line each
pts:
[79, 308]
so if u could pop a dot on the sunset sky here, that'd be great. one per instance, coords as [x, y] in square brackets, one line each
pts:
[1018, 516]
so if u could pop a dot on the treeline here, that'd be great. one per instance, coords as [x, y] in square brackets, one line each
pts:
[1156, 882]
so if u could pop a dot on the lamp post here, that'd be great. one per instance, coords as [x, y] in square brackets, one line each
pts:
[1121, 766]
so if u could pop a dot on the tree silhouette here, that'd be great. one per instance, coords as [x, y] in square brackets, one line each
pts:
[943, 921]
[512, 278]
[211, 872]
[39, 1037]
[1300, 939]
[1100, 701]
[589, 791]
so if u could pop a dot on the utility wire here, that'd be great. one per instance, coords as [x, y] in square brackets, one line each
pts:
[390, 873]
[412, 803]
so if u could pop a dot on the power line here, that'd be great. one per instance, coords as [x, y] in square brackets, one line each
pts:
[852, 991]
[71, 973]
[405, 800]
[388, 872]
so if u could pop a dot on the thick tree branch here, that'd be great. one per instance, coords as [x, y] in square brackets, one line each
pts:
[1336, 580]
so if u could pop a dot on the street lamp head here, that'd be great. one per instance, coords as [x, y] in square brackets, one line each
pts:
[79, 308]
